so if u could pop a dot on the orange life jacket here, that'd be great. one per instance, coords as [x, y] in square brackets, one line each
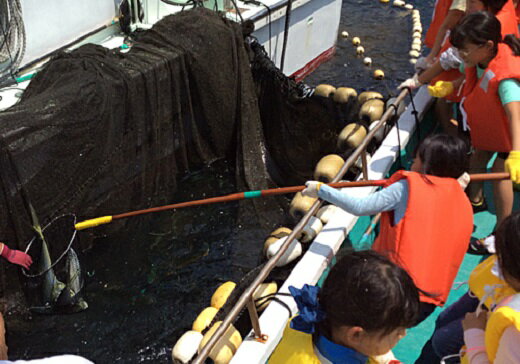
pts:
[432, 237]
[440, 12]
[508, 19]
[481, 106]
[518, 12]
[449, 75]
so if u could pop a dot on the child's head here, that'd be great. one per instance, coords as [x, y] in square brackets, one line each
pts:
[369, 302]
[507, 244]
[441, 155]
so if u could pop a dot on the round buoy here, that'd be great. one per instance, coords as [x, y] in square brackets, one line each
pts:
[328, 167]
[379, 74]
[356, 41]
[367, 95]
[413, 60]
[275, 235]
[351, 136]
[264, 290]
[409, 6]
[293, 251]
[268, 242]
[204, 319]
[344, 94]
[417, 28]
[186, 347]
[414, 54]
[344, 34]
[398, 3]
[311, 229]
[324, 90]
[360, 50]
[221, 294]
[384, 1]
[367, 61]
[416, 41]
[380, 133]
[372, 110]
[226, 346]
[416, 35]
[326, 212]
[300, 204]
[415, 47]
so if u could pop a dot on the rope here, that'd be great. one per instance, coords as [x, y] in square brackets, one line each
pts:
[415, 114]
[13, 41]
[286, 32]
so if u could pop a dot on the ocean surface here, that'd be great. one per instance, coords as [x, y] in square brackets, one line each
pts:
[145, 286]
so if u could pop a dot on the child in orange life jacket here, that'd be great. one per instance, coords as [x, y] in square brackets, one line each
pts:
[363, 310]
[491, 103]
[495, 337]
[426, 217]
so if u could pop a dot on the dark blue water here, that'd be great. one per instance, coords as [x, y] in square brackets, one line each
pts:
[146, 285]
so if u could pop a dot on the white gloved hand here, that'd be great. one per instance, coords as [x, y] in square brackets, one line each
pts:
[450, 59]
[422, 64]
[464, 180]
[312, 188]
[412, 83]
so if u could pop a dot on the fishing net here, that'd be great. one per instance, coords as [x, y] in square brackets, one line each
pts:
[12, 39]
[102, 131]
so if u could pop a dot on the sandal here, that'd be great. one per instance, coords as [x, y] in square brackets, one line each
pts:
[479, 206]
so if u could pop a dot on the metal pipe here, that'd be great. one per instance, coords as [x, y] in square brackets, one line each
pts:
[271, 264]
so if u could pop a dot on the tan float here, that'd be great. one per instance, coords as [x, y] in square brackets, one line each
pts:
[380, 134]
[311, 229]
[414, 54]
[356, 41]
[360, 50]
[325, 213]
[372, 110]
[328, 167]
[344, 34]
[226, 346]
[221, 294]
[300, 205]
[367, 95]
[379, 74]
[416, 47]
[274, 236]
[293, 251]
[324, 90]
[186, 347]
[264, 290]
[344, 94]
[351, 136]
[367, 61]
[204, 319]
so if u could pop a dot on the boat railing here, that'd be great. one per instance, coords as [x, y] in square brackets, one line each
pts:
[246, 299]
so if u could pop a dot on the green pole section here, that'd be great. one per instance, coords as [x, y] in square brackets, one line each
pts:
[252, 194]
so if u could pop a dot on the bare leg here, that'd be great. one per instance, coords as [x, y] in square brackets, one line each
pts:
[477, 164]
[444, 113]
[3, 346]
[503, 194]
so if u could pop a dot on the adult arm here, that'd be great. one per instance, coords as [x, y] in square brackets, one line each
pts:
[451, 20]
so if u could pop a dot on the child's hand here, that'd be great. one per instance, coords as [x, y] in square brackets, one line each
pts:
[472, 321]
[17, 257]
[312, 188]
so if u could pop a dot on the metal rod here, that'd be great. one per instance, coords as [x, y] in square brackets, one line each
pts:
[271, 264]
[253, 315]
[364, 165]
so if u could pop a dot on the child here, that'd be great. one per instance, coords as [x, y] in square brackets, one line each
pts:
[15, 256]
[495, 338]
[426, 219]
[363, 310]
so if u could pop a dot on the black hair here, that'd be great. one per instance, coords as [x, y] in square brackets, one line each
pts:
[507, 244]
[494, 6]
[479, 28]
[366, 289]
[443, 155]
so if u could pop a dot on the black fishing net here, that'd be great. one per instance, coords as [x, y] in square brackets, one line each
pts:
[99, 131]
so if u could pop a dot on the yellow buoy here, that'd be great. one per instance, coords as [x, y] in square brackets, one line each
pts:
[360, 50]
[300, 204]
[379, 74]
[384, 1]
[356, 41]
[414, 54]
[186, 347]
[367, 61]
[351, 136]
[367, 95]
[372, 110]
[221, 294]
[324, 90]
[344, 94]
[328, 167]
[344, 34]
[264, 290]
[226, 346]
[204, 319]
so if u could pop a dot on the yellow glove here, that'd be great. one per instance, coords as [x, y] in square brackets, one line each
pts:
[513, 165]
[441, 89]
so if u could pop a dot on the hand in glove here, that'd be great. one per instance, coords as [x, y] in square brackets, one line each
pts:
[312, 188]
[412, 83]
[422, 64]
[464, 180]
[441, 89]
[513, 165]
[16, 257]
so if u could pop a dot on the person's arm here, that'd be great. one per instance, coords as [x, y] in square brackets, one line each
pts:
[508, 349]
[385, 200]
[513, 114]
[509, 92]
[430, 73]
[451, 20]
[15, 256]
[474, 337]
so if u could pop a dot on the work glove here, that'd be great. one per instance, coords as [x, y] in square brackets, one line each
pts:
[16, 257]
[312, 188]
[441, 89]
[464, 180]
[513, 165]
[422, 64]
[412, 83]
[450, 59]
